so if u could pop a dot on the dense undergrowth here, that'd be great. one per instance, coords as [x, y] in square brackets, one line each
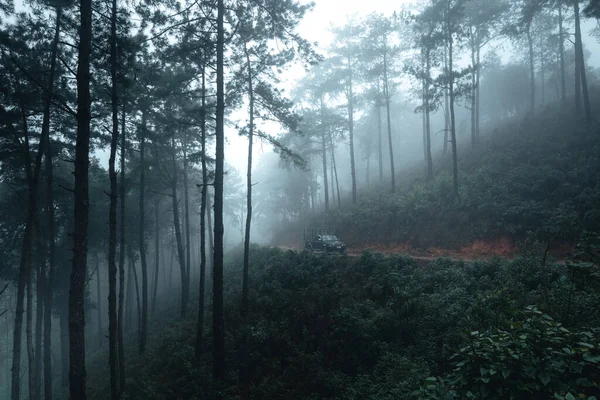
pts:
[377, 328]
[535, 175]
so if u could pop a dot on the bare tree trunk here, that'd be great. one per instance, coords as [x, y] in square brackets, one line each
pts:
[561, 52]
[77, 372]
[137, 291]
[64, 344]
[542, 71]
[337, 183]
[203, 200]
[379, 135]
[477, 95]
[178, 238]
[389, 121]
[473, 83]
[446, 106]
[120, 316]
[156, 251]
[452, 116]
[98, 303]
[218, 317]
[112, 217]
[142, 239]
[427, 117]
[531, 71]
[324, 156]
[245, 283]
[211, 242]
[29, 334]
[39, 322]
[186, 205]
[580, 65]
[350, 89]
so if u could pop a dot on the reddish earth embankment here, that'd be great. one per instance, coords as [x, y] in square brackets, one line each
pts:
[478, 250]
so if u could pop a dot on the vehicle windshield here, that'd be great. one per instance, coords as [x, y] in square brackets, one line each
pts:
[329, 237]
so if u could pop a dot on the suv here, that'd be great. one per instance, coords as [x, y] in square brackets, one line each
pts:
[326, 242]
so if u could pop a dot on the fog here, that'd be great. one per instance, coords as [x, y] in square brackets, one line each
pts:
[172, 175]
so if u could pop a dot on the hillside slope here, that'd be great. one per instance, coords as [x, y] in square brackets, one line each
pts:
[530, 178]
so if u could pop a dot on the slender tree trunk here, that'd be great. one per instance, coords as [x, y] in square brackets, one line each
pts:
[245, 283]
[389, 120]
[561, 52]
[477, 96]
[324, 156]
[136, 284]
[113, 360]
[120, 316]
[379, 139]
[473, 83]
[452, 116]
[581, 64]
[446, 106]
[64, 343]
[77, 372]
[98, 303]
[351, 129]
[337, 182]
[29, 334]
[142, 239]
[218, 318]
[209, 218]
[39, 321]
[178, 238]
[156, 251]
[129, 296]
[200, 325]
[542, 71]
[186, 206]
[427, 116]
[531, 72]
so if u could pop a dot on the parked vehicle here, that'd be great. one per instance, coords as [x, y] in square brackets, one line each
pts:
[316, 240]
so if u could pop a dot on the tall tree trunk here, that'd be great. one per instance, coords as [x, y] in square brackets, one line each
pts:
[337, 183]
[531, 72]
[581, 64]
[245, 283]
[561, 52]
[77, 372]
[50, 216]
[427, 116]
[473, 83]
[156, 251]
[178, 238]
[39, 322]
[209, 220]
[218, 317]
[186, 207]
[446, 106]
[324, 156]
[389, 120]
[351, 129]
[452, 115]
[142, 239]
[29, 334]
[136, 284]
[477, 96]
[542, 71]
[379, 135]
[98, 304]
[112, 214]
[120, 316]
[64, 343]
[129, 297]
[200, 324]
